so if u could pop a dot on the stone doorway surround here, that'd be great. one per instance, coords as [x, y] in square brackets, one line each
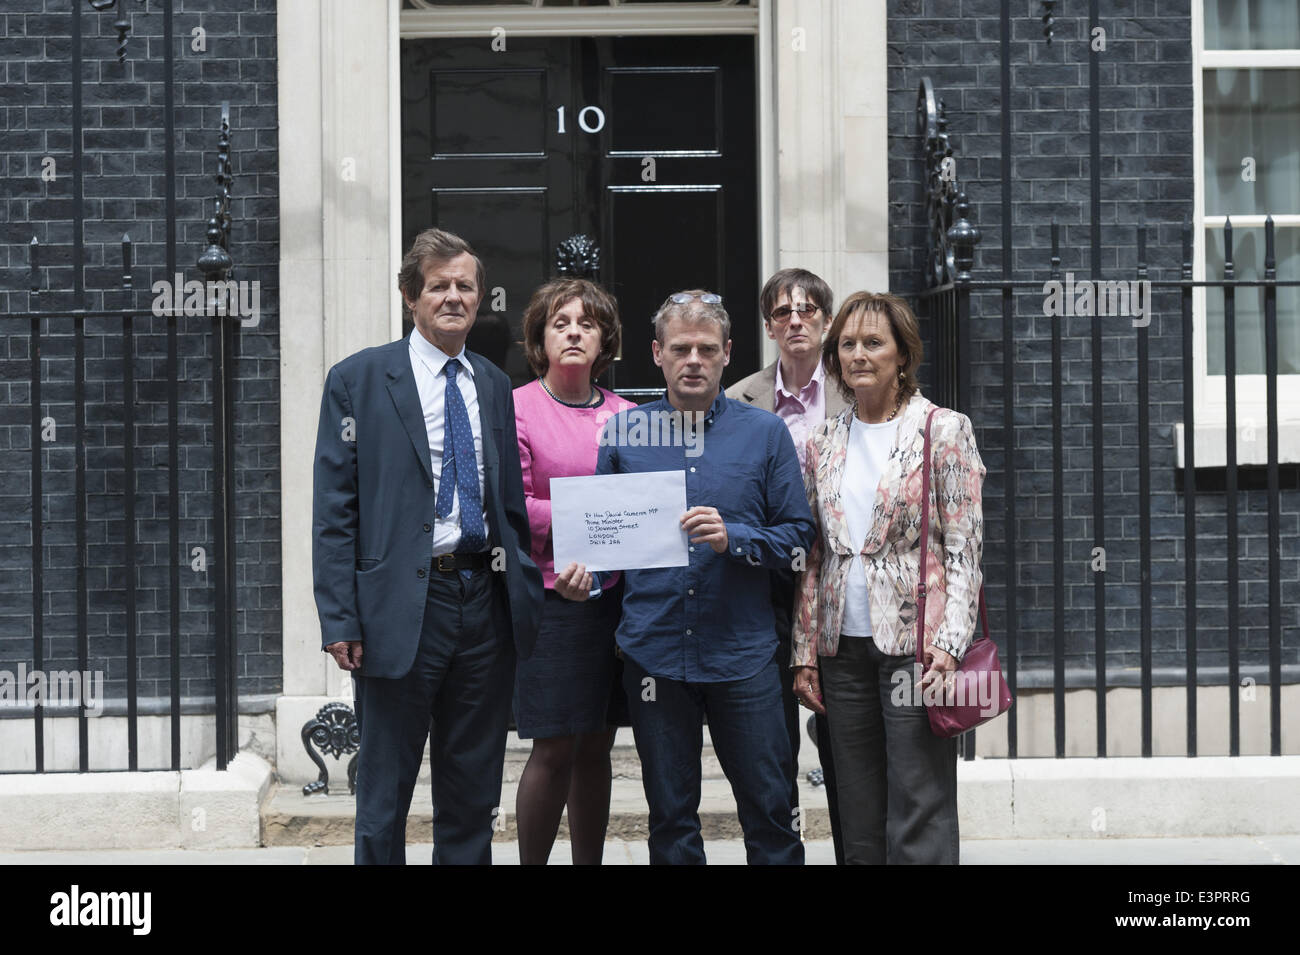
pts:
[823, 205]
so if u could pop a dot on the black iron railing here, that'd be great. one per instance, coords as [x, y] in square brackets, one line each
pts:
[949, 285]
[43, 323]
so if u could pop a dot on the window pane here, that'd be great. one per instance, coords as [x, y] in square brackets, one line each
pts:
[1248, 263]
[1252, 132]
[1252, 25]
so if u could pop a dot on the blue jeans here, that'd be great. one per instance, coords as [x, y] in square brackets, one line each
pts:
[747, 725]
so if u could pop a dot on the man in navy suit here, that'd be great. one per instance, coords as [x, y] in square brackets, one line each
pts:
[420, 558]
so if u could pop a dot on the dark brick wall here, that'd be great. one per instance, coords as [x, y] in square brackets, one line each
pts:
[124, 189]
[1147, 166]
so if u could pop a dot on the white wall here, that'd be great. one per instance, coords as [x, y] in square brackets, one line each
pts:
[832, 142]
[337, 278]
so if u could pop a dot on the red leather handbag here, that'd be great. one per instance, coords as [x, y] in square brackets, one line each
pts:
[979, 691]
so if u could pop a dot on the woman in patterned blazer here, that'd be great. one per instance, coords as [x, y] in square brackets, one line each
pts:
[854, 638]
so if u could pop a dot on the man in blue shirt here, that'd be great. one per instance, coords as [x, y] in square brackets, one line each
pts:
[700, 640]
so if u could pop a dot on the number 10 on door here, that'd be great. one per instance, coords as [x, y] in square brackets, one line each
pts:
[591, 119]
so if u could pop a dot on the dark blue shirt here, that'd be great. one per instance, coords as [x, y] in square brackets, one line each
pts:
[712, 621]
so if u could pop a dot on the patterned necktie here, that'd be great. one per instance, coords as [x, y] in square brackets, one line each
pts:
[460, 468]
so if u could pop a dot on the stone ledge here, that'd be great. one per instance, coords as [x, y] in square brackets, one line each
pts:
[195, 808]
[1077, 798]
[1156, 797]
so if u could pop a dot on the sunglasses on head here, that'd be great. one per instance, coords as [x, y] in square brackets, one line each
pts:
[708, 298]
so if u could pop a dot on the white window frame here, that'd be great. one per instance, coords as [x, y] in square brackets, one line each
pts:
[1211, 400]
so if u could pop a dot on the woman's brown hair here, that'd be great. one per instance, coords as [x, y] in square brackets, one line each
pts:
[554, 295]
[902, 325]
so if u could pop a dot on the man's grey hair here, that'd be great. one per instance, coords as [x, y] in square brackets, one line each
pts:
[692, 311]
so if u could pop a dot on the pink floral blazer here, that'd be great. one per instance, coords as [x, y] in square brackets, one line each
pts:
[891, 552]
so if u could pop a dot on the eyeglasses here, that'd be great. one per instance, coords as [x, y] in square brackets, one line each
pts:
[708, 298]
[781, 315]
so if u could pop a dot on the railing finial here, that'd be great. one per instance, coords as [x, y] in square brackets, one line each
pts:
[1229, 272]
[215, 262]
[1049, 21]
[952, 236]
[122, 25]
[963, 236]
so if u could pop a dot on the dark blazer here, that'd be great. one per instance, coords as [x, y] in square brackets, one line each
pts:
[373, 507]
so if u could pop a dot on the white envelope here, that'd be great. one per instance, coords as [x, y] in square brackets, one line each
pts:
[619, 521]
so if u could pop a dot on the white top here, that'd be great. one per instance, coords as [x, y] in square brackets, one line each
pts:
[869, 446]
[427, 363]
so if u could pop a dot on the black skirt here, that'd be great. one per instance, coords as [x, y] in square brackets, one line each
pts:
[572, 683]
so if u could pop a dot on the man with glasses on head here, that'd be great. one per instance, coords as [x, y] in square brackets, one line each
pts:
[700, 640]
[796, 306]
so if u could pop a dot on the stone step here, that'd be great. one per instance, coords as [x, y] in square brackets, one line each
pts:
[624, 761]
[291, 819]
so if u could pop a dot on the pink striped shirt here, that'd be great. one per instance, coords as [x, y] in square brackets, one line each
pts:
[803, 412]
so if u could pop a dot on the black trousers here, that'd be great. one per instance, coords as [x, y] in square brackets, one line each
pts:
[897, 781]
[461, 680]
[793, 718]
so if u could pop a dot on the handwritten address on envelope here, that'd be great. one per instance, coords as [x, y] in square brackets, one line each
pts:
[619, 521]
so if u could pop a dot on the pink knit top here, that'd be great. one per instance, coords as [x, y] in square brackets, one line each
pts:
[556, 441]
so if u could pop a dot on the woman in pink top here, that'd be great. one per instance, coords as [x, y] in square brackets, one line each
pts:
[564, 690]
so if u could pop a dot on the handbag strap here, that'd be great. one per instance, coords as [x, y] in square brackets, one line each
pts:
[925, 551]
[925, 542]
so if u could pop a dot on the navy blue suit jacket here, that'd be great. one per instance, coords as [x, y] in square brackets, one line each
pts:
[373, 507]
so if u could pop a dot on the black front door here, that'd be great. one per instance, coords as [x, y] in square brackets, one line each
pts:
[646, 144]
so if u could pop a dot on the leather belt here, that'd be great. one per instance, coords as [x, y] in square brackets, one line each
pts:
[449, 563]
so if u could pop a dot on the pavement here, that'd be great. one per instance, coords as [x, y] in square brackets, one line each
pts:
[318, 830]
[1235, 850]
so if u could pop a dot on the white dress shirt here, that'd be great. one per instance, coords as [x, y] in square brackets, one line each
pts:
[427, 363]
[867, 456]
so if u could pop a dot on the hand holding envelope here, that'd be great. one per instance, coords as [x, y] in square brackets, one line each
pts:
[574, 582]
